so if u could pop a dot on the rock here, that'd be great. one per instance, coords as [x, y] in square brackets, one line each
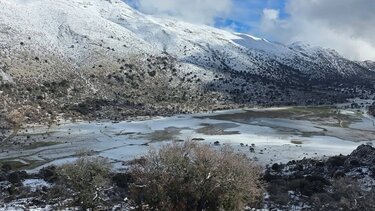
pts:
[338, 174]
[48, 174]
[38, 202]
[17, 177]
[276, 167]
[354, 163]
[363, 155]
[299, 167]
[320, 164]
[371, 110]
[122, 180]
[6, 168]
[336, 161]
[3, 176]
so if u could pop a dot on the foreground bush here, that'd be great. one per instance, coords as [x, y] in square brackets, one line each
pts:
[85, 180]
[190, 176]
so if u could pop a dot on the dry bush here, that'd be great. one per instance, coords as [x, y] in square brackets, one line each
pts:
[86, 180]
[190, 176]
[16, 118]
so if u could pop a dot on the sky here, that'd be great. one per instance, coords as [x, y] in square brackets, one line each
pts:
[348, 26]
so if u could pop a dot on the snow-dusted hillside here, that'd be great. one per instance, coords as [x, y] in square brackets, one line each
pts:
[82, 31]
[65, 51]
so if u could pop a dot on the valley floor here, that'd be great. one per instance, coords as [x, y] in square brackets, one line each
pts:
[265, 135]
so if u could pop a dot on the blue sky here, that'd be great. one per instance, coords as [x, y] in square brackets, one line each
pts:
[247, 14]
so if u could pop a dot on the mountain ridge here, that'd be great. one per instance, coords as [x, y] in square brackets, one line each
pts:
[104, 59]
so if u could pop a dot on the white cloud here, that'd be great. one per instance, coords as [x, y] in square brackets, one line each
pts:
[344, 25]
[270, 19]
[196, 11]
[271, 14]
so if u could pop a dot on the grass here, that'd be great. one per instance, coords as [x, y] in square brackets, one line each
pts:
[325, 115]
[311, 134]
[16, 164]
[297, 142]
[125, 133]
[217, 129]
[169, 134]
[39, 144]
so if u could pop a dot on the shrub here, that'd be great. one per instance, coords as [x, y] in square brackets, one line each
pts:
[16, 118]
[336, 161]
[190, 176]
[86, 180]
[371, 110]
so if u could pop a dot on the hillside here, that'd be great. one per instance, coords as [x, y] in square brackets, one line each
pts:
[103, 59]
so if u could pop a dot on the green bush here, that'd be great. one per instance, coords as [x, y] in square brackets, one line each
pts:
[190, 176]
[85, 180]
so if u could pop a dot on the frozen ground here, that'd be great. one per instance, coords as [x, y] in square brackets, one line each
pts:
[279, 135]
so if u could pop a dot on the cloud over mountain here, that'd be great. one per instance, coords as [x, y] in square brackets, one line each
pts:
[195, 11]
[344, 25]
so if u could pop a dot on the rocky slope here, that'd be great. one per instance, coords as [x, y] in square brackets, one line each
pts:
[368, 64]
[102, 59]
[336, 183]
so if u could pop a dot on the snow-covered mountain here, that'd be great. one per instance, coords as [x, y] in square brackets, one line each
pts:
[368, 64]
[54, 50]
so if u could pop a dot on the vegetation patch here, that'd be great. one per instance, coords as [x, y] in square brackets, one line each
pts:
[19, 164]
[297, 142]
[324, 115]
[217, 129]
[39, 144]
[85, 180]
[190, 176]
[168, 134]
[14, 164]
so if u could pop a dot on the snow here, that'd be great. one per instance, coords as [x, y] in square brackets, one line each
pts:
[6, 77]
[347, 112]
[91, 26]
[34, 184]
